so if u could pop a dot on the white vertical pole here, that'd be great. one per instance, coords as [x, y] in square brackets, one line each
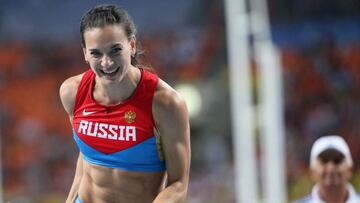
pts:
[271, 101]
[242, 112]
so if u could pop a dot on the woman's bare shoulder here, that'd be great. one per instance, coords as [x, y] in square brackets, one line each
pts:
[167, 102]
[68, 90]
[166, 95]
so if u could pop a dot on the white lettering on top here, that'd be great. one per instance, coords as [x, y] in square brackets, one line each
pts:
[107, 131]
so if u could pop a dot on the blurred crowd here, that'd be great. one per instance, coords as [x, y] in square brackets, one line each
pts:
[321, 92]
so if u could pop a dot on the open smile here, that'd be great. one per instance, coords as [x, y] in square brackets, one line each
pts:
[110, 72]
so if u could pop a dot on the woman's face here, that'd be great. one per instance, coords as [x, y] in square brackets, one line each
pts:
[108, 52]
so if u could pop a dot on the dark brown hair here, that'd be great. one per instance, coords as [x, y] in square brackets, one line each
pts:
[103, 15]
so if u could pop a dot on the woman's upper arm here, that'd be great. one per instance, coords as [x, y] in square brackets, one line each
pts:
[172, 121]
[68, 90]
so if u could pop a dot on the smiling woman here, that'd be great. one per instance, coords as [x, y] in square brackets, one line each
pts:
[115, 108]
[108, 52]
[108, 42]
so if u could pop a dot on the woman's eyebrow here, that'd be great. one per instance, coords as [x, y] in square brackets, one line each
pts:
[116, 45]
[113, 46]
[95, 50]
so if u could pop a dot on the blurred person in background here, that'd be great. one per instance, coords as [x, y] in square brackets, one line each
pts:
[130, 126]
[331, 168]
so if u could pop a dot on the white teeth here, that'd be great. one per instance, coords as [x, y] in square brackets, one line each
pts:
[109, 72]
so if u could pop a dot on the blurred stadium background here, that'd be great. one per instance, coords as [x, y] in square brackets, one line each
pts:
[185, 41]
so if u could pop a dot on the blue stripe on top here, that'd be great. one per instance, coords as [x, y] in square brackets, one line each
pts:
[78, 200]
[140, 157]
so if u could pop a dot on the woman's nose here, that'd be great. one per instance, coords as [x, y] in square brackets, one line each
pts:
[106, 62]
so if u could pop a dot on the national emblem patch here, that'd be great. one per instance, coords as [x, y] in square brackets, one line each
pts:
[130, 116]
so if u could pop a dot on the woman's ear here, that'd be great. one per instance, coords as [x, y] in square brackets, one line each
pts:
[133, 45]
[85, 56]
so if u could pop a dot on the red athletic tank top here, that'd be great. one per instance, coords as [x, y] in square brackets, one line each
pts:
[119, 136]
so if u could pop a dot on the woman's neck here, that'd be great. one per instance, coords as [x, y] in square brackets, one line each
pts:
[117, 92]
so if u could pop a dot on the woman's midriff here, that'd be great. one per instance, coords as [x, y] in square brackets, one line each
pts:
[106, 185]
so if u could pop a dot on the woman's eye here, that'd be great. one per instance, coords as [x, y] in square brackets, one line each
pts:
[95, 54]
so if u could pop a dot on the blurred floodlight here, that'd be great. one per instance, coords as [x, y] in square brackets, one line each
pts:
[192, 97]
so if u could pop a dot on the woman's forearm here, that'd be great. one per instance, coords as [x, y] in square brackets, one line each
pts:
[76, 183]
[173, 193]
